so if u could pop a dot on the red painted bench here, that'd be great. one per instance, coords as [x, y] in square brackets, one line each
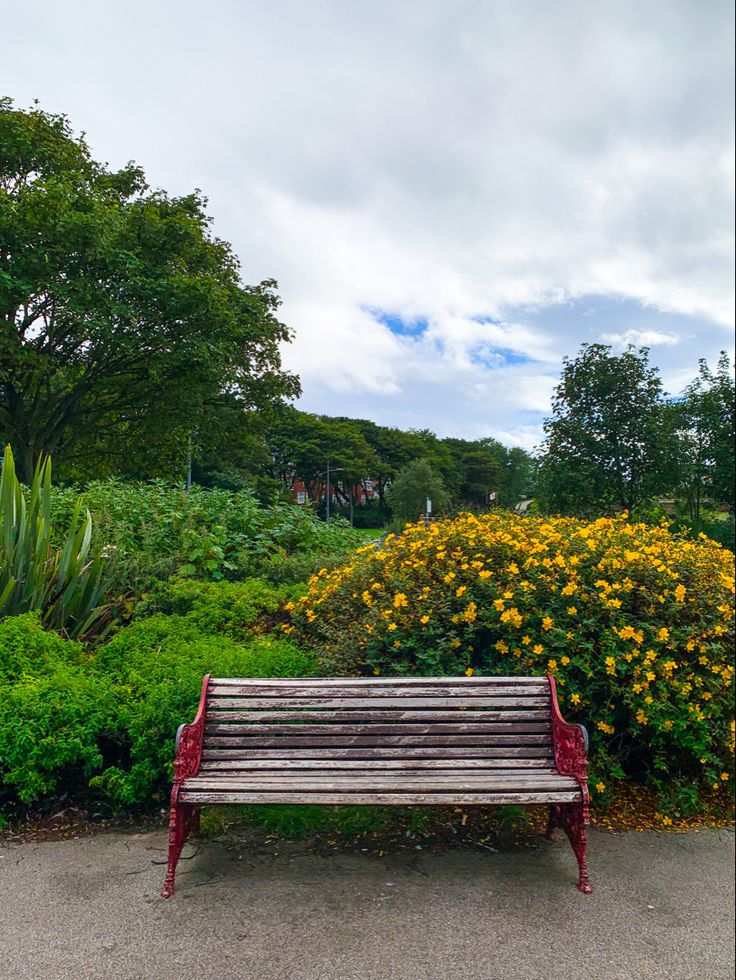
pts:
[401, 741]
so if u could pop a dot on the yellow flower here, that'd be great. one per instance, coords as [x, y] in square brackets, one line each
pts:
[575, 698]
[538, 648]
[469, 672]
[552, 665]
[680, 593]
[400, 600]
[724, 776]
[607, 729]
[600, 787]
[548, 623]
[391, 627]
[461, 589]
[564, 661]
[424, 619]
[572, 610]
[376, 671]
[641, 717]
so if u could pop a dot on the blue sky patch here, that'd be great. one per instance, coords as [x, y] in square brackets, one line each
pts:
[400, 325]
[497, 357]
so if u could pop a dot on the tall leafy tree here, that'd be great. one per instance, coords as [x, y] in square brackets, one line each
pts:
[707, 437]
[611, 440]
[122, 318]
[408, 495]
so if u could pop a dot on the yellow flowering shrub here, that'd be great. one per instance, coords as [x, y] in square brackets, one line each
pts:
[634, 621]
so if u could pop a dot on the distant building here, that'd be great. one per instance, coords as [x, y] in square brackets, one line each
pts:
[364, 492]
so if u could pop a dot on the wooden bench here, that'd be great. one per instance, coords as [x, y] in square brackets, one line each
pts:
[400, 741]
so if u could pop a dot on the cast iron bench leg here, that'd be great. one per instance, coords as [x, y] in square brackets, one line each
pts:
[183, 819]
[570, 817]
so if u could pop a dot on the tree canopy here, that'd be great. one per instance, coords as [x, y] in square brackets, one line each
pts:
[611, 438]
[123, 320]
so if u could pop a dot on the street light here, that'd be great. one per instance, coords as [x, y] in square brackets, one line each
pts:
[335, 469]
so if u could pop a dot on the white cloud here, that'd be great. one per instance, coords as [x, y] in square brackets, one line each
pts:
[643, 338]
[449, 161]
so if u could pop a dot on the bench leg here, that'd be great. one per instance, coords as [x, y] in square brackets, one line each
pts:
[183, 819]
[553, 821]
[571, 818]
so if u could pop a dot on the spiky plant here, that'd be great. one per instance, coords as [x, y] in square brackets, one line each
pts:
[63, 584]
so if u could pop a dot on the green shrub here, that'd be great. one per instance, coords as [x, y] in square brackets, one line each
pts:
[232, 608]
[54, 715]
[635, 622]
[28, 650]
[156, 666]
[153, 531]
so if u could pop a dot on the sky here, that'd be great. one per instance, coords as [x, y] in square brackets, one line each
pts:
[452, 195]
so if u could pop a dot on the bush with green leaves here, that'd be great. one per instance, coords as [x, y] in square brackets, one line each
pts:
[634, 621]
[152, 531]
[156, 666]
[77, 722]
[55, 714]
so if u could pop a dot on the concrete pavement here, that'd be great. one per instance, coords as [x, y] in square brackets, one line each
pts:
[89, 908]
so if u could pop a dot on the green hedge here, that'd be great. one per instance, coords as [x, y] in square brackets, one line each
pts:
[104, 723]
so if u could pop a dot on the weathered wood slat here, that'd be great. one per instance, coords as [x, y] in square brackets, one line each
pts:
[418, 782]
[383, 799]
[353, 765]
[299, 728]
[473, 681]
[317, 741]
[438, 752]
[376, 691]
[378, 702]
[460, 714]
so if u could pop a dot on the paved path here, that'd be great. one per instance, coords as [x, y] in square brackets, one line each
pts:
[88, 908]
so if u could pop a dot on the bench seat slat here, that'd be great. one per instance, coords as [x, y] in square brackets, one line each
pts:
[381, 752]
[419, 782]
[297, 728]
[317, 741]
[377, 714]
[410, 701]
[352, 765]
[306, 682]
[384, 799]
[448, 690]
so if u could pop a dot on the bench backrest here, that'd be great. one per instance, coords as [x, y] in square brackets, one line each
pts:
[503, 722]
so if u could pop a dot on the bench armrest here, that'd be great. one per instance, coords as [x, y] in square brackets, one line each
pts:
[570, 742]
[189, 740]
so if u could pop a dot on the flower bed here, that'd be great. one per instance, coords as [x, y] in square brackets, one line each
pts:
[635, 623]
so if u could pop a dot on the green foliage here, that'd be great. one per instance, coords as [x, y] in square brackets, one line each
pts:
[611, 440]
[123, 320]
[63, 583]
[229, 608]
[706, 417]
[153, 531]
[54, 714]
[28, 650]
[105, 721]
[410, 490]
[157, 665]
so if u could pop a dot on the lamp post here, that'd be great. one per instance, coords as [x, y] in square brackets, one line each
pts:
[335, 469]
